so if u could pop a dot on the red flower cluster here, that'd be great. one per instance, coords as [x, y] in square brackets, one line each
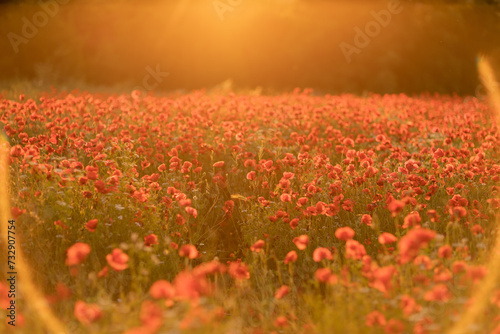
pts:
[349, 193]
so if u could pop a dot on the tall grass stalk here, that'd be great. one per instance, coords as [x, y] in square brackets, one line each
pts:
[481, 297]
[32, 296]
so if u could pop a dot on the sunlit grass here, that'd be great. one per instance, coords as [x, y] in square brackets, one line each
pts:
[133, 204]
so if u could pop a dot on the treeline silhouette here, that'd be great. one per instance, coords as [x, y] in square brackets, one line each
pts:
[330, 46]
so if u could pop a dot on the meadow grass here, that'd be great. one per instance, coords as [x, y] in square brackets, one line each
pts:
[239, 213]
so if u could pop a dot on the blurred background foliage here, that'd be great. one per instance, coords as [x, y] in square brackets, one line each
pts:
[431, 46]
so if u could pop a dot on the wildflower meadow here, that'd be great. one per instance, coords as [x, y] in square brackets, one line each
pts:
[242, 213]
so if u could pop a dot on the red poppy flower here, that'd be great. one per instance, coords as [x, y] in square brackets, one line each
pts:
[150, 240]
[322, 253]
[103, 272]
[282, 292]
[16, 151]
[410, 244]
[61, 224]
[91, 225]
[395, 207]
[354, 250]
[117, 259]
[458, 267]
[87, 313]
[382, 278]
[394, 326]
[301, 241]
[189, 286]
[290, 257]
[281, 321]
[476, 273]
[387, 238]
[302, 201]
[409, 305]
[375, 318]
[191, 211]
[239, 271]
[325, 275]
[412, 219]
[179, 220]
[286, 198]
[366, 219]
[162, 289]
[294, 223]
[258, 246]
[445, 251]
[477, 229]
[188, 251]
[439, 293]
[219, 164]
[16, 212]
[151, 316]
[77, 253]
[344, 233]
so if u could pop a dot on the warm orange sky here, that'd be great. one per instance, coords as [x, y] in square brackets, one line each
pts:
[275, 44]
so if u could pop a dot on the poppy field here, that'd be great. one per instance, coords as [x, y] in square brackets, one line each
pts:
[242, 213]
